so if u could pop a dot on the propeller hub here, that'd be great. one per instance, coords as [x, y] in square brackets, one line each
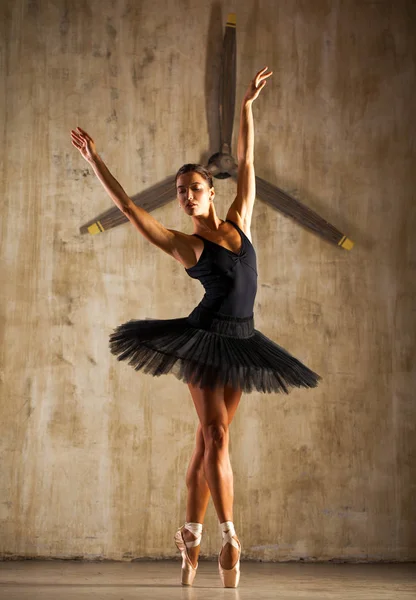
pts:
[221, 165]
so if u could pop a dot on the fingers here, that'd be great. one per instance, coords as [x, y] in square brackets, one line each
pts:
[76, 144]
[81, 140]
[81, 135]
[76, 136]
[263, 71]
[85, 134]
[77, 140]
[261, 77]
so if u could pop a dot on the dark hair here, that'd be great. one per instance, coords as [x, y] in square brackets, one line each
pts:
[195, 168]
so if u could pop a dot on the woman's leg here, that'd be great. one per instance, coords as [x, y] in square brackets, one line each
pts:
[198, 490]
[216, 410]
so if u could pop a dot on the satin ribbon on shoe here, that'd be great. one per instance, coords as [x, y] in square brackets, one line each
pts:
[188, 570]
[229, 577]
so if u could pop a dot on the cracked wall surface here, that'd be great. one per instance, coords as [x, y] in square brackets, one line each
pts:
[93, 454]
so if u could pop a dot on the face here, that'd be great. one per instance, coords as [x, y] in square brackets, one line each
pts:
[194, 193]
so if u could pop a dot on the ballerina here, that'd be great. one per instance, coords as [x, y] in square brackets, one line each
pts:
[215, 349]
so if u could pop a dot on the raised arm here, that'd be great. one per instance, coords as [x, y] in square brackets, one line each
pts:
[242, 207]
[152, 229]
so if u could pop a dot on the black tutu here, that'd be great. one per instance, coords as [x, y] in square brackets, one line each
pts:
[208, 349]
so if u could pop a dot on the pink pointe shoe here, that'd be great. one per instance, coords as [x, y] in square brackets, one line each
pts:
[188, 570]
[229, 577]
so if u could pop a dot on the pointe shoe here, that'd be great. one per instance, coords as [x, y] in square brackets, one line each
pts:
[188, 571]
[229, 577]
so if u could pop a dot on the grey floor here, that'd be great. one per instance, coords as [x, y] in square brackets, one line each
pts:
[70, 580]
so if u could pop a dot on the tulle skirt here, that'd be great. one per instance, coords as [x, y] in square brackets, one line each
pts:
[209, 349]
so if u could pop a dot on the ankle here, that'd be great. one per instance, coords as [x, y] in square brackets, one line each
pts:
[195, 525]
[227, 529]
[229, 535]
[192, 532]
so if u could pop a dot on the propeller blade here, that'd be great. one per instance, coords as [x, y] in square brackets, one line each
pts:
[228, 85]
[213, 67]
[150, 199]
[291, 207]
[301, 213]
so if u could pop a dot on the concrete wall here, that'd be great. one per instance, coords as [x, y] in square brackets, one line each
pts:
[93, 454]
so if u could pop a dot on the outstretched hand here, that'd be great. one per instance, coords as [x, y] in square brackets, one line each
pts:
[85, 144]
[257, 84]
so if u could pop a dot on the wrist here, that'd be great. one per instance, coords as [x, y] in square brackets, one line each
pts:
[247, 102]
[94, 160]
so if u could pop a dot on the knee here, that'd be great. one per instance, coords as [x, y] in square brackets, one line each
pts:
[216, 435]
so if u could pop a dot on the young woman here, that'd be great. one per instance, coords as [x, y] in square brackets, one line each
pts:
[216, 350]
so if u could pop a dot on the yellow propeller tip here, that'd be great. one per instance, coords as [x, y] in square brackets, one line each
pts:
[231, 20]
[346, 243]
[95, 228]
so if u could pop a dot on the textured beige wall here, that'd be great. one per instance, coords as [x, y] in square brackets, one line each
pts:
[93, 455]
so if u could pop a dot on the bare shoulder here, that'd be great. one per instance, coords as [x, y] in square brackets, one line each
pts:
[235, 216]
[185, 248]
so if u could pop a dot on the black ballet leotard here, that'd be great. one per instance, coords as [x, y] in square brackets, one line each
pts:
[229, 278]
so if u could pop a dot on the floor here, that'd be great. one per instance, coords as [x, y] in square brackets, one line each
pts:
[70, 580]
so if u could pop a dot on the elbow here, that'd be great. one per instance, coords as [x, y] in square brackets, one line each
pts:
[245, 155]
[245, 161]
[125, 207]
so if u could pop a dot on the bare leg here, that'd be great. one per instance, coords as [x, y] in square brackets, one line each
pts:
[212, 458]
[198, 490]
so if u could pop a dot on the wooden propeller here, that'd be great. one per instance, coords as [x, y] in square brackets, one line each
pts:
[223, 165]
